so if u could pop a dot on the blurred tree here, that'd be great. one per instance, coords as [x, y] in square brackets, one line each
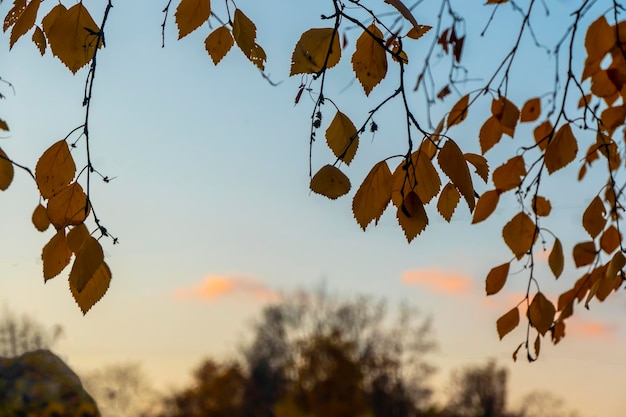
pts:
[544, 404]
[19, 335]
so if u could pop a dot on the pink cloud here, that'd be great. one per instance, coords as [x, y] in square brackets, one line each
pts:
[215, 286]
[437, 280]
[587, 329]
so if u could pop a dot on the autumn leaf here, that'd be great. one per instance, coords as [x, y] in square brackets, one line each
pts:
[541, 313]
[490, 134]
[531, 110]
[584, 253]
[55, 255]
[448, 200]
[4, 126]
[88, 259]
[342, 137]
[507, 113]
[190, 14]
[418, 32]
[610, 240]
[77, 236]
[68, 207]
[510, 174]
[613, 117]
[618, 261]
[411, 216]
[485, 205]
[452, 163]
[40, 218]
[594, 217]
[330, 182]
[542, 134]
[369, 61]
[507, 323]
[459, 111]
[6, 171]
[244, 32]
[39, 39]
[314, 52]
[519, 234]
[404, 11]
[218, 43]
[373, 196]
[24, 22]
[55, 169]
[561, 150]
[94, 289]
[599, 40]
[496, 278]
[480, 163]
[417, 175]
[541, 206]
[14, 14]
[555, 259]
[537, 346]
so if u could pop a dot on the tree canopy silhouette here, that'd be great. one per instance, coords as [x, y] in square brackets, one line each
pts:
[583, 107]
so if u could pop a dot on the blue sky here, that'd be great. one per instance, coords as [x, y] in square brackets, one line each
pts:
[211, 188]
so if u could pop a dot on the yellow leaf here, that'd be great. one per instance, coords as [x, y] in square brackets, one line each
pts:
[496, 278]
[190, 14]
[542, 134]
[531, 110]
[594, 218]
[55, 169]
[369, 61]
[88, 259]
[342, 137]
[411, 216]
[584, 253]
[418, 32]
[485, 205]
[40, 40]
[244, 32]
[448, 201]
[94, 289]
[40, 218]
[555, 259]
[610, 240]
[541, 206]
[561, 150]
[490, 134]
[14, 14]
[480, 163]
[510, 174]
[507, 113]
[72, 35]
[541, 313]
[507, 323]
[311, 51]
[218, 43]
[68, 207]
[24, 22]
[453, 164]
[56, 255]
[330, 182]
[373, 196]
[459, 111]
[520, 234]
[6, 171]
[77, 236]
[418, 175]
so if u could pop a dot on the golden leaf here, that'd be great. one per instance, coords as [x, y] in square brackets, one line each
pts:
[507, 113]
[480, 163]
[218, 43]
[418, 32]
[555, 259]
[610, 240]
[520, 234]
[507, 323]
[77, 236]
[411, 216]
[94, 289]
[68, 207]
[24, 22]
[369, 60]
[542, 134]
[613, 117]
[558, 332]
[55, 169]
[373, 196]
[584, 253]
[490, 134]
[531, 110]
[330, 182]
[14, 14]
[419, 175]
[342, 137]
[602, 86]
[496, 278]
[39, 40]
[452, 163]
[459, 111]
[541, 206]
[565, 299]
[599, 39]
[72, 35]
[485, 205]
[594, 218]
[311, 51]
[40, 218]
[618, 261]
[448, 200]
[88, 259]
[6, 171]
[510, 174]
[244, 32]
[190, 14]
[561, 150]
[541, 313]
[55, 255]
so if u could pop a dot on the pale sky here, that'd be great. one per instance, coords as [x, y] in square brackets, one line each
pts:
[212, 209]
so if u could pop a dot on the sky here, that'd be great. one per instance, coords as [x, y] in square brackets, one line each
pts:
[211, 206]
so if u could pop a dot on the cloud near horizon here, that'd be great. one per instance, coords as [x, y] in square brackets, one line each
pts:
[588, 328]
[214, 287]
[438, 280]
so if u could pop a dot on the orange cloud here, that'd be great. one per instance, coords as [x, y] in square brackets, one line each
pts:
[589, 329]
[215, 286]
[437, 280]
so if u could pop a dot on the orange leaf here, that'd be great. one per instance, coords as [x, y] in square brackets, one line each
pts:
[416, 33]
[14, 14]
[531, 110]
[330, 182]
[77, 236]
[40, 218]
[24, 22]
[541, 206]
[490, 134]
[542, 134]
[342, 137]
[459, 111]
[411, 216]
[480, 163]
[610, 240]
[40, 40]
[6, 171]
[369, 61]
[599, 39]
[310, 52]
[56, 255]
[555, 259]
[541, 313]
[594, 218]
[520, 234]
[613, 117]
[496, 278]
[88, 259]
[448, 201]
[618, 261]
[94, 289]
[452, 163]
[561, 150]
[190, 15]
[68, 207]
[244, 32]
[507, 323]
[584, 253]
[218, 43]
[485, 205]
[55, 169]
[419, 175]
[510, 174]
[373, 196]
[507, 113]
